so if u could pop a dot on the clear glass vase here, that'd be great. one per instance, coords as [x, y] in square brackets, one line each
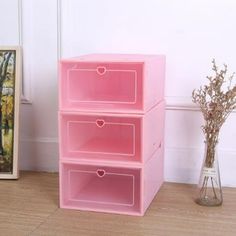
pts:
[209, 186]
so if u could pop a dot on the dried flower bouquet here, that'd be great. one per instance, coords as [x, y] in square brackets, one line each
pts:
[216, 100]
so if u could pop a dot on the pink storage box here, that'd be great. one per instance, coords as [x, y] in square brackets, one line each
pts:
[107, 188]
[111, 137]
[116, 83]
[111, 132]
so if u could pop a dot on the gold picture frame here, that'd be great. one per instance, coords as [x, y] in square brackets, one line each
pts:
[10, 91]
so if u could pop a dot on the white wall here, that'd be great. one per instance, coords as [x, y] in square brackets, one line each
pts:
[190, 33]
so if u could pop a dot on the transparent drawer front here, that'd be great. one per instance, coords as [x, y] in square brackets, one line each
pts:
[112, 86]
[91, 85]
[104, 137]
[101, 187]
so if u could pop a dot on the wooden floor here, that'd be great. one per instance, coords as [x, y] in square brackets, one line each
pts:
[29, 206]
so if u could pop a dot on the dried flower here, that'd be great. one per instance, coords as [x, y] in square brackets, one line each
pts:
[216, 101]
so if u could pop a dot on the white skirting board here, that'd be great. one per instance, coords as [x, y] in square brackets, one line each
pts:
[182, 165]
[39, 155]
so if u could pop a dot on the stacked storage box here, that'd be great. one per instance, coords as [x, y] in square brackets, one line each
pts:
[111, 131]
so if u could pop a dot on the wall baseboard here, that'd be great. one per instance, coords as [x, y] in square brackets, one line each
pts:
[182, 164]
[39, 154]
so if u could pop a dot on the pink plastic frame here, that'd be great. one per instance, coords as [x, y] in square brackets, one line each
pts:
[111, 188]
[111, 132]
[115, 83]
[111, 137]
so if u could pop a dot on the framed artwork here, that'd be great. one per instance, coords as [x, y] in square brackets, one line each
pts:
[10, 77]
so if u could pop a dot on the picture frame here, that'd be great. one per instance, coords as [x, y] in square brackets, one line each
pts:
[10, 91]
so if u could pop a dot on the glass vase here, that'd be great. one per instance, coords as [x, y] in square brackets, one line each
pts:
[209, 186]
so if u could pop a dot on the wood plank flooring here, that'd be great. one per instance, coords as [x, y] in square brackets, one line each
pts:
[29, 206]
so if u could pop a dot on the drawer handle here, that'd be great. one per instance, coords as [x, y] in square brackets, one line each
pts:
[100, 173]
[100, 123]
[101, 70]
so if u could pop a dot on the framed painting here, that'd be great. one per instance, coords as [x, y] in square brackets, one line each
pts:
[10, 77]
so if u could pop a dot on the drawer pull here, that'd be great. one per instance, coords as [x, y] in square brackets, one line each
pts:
[100, 173]
[100, 123]
[101, 70]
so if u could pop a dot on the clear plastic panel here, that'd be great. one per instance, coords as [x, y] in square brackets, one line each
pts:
[101, 86]
[101, 187]
[89, 85]
[103, 137]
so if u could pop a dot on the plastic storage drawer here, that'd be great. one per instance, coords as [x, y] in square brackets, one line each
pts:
[111, 137]
[127, 190]
[127, 83]
[102, 187]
